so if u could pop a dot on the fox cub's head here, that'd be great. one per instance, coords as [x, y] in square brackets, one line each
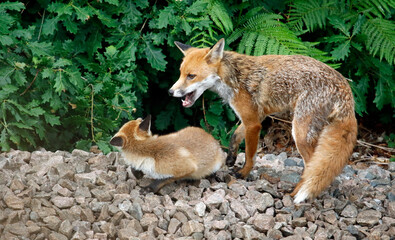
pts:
[132, 131]
[199, 71]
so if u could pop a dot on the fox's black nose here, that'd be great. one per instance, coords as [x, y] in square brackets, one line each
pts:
[171, 92]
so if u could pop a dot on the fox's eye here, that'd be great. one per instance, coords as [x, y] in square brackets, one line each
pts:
[191, 76]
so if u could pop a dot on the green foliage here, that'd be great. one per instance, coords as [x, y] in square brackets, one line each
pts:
[356, 32]
[72, 72]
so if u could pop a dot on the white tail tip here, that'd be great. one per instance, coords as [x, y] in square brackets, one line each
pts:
[302, 195]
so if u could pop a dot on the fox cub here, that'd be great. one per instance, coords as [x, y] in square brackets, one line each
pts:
[190, 153]
[324, 126]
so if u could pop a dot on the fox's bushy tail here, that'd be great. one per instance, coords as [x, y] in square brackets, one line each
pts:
[335, 145]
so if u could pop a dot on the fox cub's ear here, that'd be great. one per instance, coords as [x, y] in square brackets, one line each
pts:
[145, 125]
[182, 47]
[216, 53]
[116, 141]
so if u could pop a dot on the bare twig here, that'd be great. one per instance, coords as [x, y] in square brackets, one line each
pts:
[92, 127]
[34, 79]
[41, 26]
[365, 144]
[280, 119]
[204, 112]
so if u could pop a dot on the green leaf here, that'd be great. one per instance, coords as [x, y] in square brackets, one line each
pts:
[52, 119]
[15, 6]
[59, 85]
[113, 2]
[83, 13]
[6, 90]
[49, 26]
[60, 8]
[197, 7]
[155, 57]
[62, 62]
[104, 146]
[166, 17]
[83, 144]
[106, 19]
[341, 51]
[359, 90]
[20, 77]
[380, 38]
[213, 119]
[111, 51]
[70, 26]
[6, 40]
[41, 48]
[216, 107]
[48, 73]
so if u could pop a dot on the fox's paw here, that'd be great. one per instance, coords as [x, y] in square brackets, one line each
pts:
[230, 160]
[244, 172]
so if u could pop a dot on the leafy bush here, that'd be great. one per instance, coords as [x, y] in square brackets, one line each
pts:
[71, 72]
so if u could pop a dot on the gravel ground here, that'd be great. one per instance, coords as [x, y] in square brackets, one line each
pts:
[82, 195]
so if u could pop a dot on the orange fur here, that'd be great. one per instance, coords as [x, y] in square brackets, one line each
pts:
[319, 97]
[330, 156]
[189, 153]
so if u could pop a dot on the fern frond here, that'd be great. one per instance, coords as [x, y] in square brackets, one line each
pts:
[380, 38]
[220, 16]
[265, 34]
[310, 13]
[375, 8]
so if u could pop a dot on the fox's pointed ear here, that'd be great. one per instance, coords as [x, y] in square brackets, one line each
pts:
[145, 125]
[216, 52]
[117, 141]
[182, 47]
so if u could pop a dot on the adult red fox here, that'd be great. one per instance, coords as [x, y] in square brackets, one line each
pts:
[190, 153]
[324, 126]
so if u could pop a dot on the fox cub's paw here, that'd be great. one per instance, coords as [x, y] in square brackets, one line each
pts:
[230, 160]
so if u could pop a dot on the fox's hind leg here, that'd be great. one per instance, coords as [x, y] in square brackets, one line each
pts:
[304, 144]
[235, 141]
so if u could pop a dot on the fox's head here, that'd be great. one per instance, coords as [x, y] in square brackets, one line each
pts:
[198, 71]
[132, 132]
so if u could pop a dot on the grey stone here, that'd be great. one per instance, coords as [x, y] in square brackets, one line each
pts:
[239, 210]
[63, 202]
[368, 218]
[350, 211]
[250, 233]
[299, 222]
[391, 209]
[214, 199]
[192, 226]
[149, 219]
[13, 201]
[66, 228]
[263, 222]
[292, 177]
[200, 209]
[220, 225]
[174, 224]
[57, 236]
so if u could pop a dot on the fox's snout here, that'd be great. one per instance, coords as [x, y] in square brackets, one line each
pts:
[171, 92]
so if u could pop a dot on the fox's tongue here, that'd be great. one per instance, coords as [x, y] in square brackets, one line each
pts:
[187, 102]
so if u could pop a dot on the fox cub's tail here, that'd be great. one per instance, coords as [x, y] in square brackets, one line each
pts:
[335, 145]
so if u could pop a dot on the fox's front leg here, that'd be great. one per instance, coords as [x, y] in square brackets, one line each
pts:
[235, 141]
[252, 132]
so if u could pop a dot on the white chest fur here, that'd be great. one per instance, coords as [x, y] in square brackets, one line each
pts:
[144, 164]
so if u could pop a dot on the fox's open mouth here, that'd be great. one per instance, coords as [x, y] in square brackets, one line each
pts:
[189, 99]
